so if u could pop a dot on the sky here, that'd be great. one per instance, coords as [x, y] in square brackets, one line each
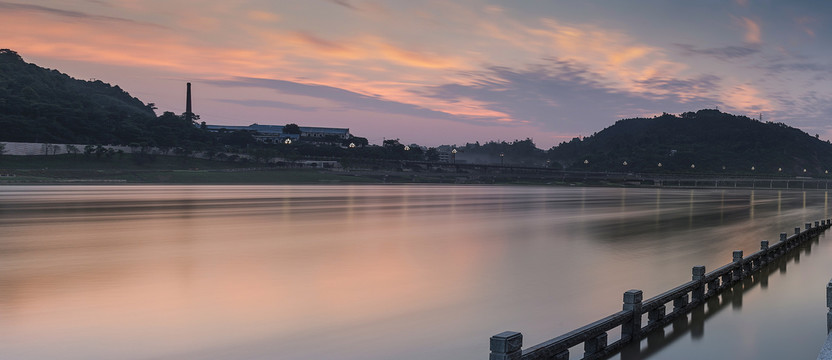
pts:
[443, 72]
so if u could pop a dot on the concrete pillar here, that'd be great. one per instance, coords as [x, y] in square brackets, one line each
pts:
[656, 314]
[679, 303]
[506, 346]
[765, 256]
[594, 345]
[713, 286]
[796, 232]
[737, 265]
[632, 328]
[698, 293]
[829, 305]
[727, 279]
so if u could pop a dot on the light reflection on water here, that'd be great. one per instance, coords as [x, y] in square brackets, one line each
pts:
[383, 272]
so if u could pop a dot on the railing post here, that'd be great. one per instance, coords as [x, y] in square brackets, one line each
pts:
[632, 302]
[594, 345]
[738, 265]
[764, 256]
[506, 346]
[788, 246]
[656, 314]
[713, 286]
[829, 305]
[680, 303]
[817, 223]
[698, 292]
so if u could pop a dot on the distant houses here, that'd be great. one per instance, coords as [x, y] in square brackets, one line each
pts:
[272, 134]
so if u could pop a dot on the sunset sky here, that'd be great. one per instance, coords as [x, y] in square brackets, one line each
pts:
[443, 72]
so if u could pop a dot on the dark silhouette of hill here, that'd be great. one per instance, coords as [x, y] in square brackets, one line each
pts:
[43, 105]
[712, 141]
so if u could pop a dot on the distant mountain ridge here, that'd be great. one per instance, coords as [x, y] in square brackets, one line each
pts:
[43, 105]
[706, 141]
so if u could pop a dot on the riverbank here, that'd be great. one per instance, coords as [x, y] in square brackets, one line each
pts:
[80, 169]
[62, 169]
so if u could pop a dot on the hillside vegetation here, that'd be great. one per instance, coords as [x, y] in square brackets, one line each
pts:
[43, 105]
[711, 141]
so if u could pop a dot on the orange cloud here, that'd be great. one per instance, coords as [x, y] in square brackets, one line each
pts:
[263, 16]
[752, 30]
[317, 46]
[415, 58]
[746, 98]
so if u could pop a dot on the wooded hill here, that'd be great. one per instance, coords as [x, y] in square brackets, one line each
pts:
[710, 140]
[43, 105]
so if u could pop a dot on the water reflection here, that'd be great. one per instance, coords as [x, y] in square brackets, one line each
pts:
[694, 324]
[353, 272]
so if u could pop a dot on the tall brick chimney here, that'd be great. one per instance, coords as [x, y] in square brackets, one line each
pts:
[189, 115]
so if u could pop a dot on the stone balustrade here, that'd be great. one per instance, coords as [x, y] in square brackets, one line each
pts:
[681, 299]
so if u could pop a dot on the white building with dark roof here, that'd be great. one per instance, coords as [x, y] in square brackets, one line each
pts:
[274, 133]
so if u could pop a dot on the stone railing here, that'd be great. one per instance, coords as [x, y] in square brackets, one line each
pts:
[684, 298]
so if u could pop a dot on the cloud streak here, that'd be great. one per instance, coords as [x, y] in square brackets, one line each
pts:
[69, 14]
[344, 98]
[722, 53]
[563, 95]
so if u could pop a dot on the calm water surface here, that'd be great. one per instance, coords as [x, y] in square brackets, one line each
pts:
[389, 272]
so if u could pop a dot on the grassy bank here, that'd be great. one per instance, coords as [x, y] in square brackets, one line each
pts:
[162, 169]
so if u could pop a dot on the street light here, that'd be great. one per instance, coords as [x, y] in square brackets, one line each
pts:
[752, 168]
[624, 163]
[779, 169]
[406, 148]
[660, 164]
[453, 154]
[586, 161]
[287, 141]
[692, 166]
[502, 156]
[352, 145]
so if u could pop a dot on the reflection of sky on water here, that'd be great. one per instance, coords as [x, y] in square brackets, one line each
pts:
[368, 272]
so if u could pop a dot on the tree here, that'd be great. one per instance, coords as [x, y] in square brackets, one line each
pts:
[72, 149]
[291, 129]
[358, 141]
[432, 154]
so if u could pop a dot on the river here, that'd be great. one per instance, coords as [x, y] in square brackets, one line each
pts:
[388, 272]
